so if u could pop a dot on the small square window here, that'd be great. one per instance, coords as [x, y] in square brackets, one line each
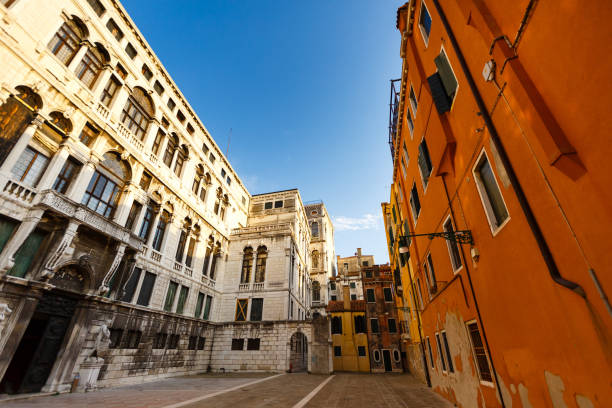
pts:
[223, 173]
[353, 297]
[252, 344]
[173, 341]
[180, 116]
[278, 204]
[122, 72]
[332, 285]
[115, 338]
[95, 4]
[237, 344]
[145, 181]
[160, 341]
[337, 351]
[334, 297]
[370, 296]
[157, 86]
[190, 129]
[171, 104]
[193, 341]
[201, 343]
[392, 325]
[388, 294]
[131, 51]
[361, 351]
[165, 122]
[114, 29]
[352, 285]
[228, 180]
[374, 325]
[212, 158]
[147, 72]
[268, 205]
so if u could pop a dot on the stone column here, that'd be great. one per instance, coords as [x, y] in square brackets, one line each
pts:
[120, 100]
[125, 204]
[153, 227]
[7, 257]
[21, 144]
[53, 169]
[149, 136]
[78, 56]
[61, 249]
[101, 82]
[111, 271]
[79, 185]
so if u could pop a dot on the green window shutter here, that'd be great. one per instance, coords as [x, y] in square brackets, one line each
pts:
[446, 75]
[170, 296]
[182, 299]
[199, 303]
[6, 229]
[207, 307]
[27, 253]
[438, 93]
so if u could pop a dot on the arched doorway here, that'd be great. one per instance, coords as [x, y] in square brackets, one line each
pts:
[298, 352]
[43, 338]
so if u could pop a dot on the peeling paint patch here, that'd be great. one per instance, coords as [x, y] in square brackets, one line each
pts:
[555, 389]
[524, 394]
[505, 393]
[583, 402]
[513, 388]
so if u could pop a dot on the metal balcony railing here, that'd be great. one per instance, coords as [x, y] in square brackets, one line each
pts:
[394, 99]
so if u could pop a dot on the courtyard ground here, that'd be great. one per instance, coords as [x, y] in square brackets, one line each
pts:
[254, 390]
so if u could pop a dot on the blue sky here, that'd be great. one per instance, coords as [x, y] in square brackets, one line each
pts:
[304, 86]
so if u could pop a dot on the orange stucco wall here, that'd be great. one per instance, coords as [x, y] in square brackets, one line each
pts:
[548, 344]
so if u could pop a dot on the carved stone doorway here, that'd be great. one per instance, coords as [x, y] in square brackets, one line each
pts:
[36, 354]
[298, 352]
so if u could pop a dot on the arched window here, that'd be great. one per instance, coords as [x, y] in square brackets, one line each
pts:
[316, 291]
[197, 179]
[180, 249]
[224, 204]
[247, 265]
[105, 185]
[91, 65]
[173, 142]
[315, 259]
[207, 256]
[215, 258]
[218, 202]
[62, 123]
[160, 231]
[315, 229]
[182, 155]
[67, 40]
[137, 113]
[260, 268]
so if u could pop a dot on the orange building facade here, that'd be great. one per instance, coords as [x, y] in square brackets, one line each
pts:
[498, 129]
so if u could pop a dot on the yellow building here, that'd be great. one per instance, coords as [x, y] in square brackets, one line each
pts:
[407, 299]
[349, 337]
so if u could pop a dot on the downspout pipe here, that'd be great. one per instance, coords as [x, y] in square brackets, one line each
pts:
[469, 276]
[551, 265]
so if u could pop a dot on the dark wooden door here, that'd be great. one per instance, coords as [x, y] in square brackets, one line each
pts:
[387, 360]
[38, 349]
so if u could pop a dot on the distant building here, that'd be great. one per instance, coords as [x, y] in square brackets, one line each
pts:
[348, 334]
[322, 254]
[383, 325]
[349, 274]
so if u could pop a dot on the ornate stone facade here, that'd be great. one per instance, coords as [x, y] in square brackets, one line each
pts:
[120, 215]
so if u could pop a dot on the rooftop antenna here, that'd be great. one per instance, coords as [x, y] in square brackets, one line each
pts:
[229, 137]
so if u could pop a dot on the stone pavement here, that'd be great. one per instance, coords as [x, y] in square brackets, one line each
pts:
[247, 390]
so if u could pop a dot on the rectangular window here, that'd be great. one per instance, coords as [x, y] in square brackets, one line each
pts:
[201, 343]
[256, 309]
[131, 51]
[237, 344]
[171, 104]
[491, 196]
[159, 138]
[332, 285]
[101, 195]
[404, 172]
[146, 289]
[134, 212]
[441, 352]
[115, 338]
[97, 6]
[278, 204]
[413, 101]
[173, 341]
[415, 203]
[88, 134]
[361, 351]
[109, 92]
[146, 223]
[193, 341]
[180, 116]
[130, 286]
[66, 175]
[190, 251]
[453, 247]
[336, 325]
[388, 294]
[449, 359]
[133, 339]
[374, 325]
[253, 344]
[447, 76]
[212, 158]
[392, 325]
[160, 341]
[161, 230]
[334, 297]
[114, 29]
[158, 87]
[370, 296]
[121, 71]
[353, 297]
[431, 360]
[223, 173]
[360, 324]
[30, 167]
[352, 285]
[170, 295]
[425, 22]
[268, 205]
[424, 161]
[88, 69]
[207, 307]
[146, 72]
[410, 123]
[180, 249]
[337, 351]
[418, 284]
[480, 355]
[430, 274]
[180, 306]
[199, 304]
[241, 309]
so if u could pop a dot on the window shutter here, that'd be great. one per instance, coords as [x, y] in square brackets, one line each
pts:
[446, 75]
[130, 286]
[147, 289]
[438, 93]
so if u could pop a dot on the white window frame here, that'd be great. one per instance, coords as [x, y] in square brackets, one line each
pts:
[415, 215]
[467, 332]
[428, 266]
[442, 49]
[421, 28]
[423, 183]
[376, 353]
[446, 345]
[431, 360]
[486, 202]
[448, 246]
[413, 105]
[441, 353]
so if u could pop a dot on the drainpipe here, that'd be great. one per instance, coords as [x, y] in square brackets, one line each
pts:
[518, 189]
[469, 276]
